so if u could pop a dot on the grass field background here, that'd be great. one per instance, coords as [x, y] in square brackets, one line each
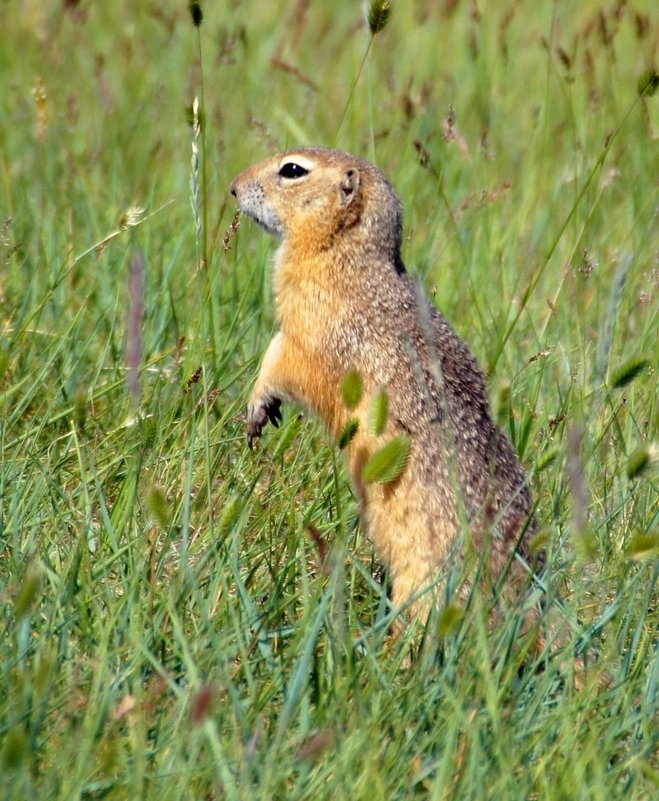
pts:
[182, 618]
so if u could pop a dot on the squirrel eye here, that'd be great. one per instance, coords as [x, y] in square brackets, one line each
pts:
[292, 170]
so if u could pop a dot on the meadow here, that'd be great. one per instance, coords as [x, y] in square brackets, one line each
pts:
[182, 618]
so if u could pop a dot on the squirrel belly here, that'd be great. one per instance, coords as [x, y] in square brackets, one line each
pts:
[345, 302]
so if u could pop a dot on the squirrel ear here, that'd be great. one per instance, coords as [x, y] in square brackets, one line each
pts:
[349, 186]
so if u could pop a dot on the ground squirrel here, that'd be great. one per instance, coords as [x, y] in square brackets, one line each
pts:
[345, 302]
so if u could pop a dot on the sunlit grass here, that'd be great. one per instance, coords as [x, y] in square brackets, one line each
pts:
[185, 619]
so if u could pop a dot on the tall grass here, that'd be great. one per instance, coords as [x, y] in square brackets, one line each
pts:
[184, 619]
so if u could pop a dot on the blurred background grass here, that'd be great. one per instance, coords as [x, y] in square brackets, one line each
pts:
[170, 626]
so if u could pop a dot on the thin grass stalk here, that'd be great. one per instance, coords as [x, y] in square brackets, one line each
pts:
[377, 17]
[134, 331]
[535, 280]
[204, 182]
[199, 181]
[131, 218]
[619, 282]
[194, 181]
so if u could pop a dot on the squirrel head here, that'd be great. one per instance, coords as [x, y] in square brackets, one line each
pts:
[317, 199]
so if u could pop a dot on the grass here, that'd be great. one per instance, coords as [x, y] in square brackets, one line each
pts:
[184, 619]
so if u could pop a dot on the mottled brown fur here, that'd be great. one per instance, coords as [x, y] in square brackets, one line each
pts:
[344, 301]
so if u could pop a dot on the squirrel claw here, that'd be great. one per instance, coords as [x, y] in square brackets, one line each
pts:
[274, 413]
[258, 414]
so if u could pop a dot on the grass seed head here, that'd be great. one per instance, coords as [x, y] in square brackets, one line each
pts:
[348, 433]
[642, 461]
[352, 388]
[627, 372]
[644, 546]
[378, 15]
[387, 463]
[14, 748]
[449, 620]
[131, 217]
[379, 415]
[585, 545]
[648, 83]
[196, 13]
[231, 232]
[159, 507]
[230, 513]
[195, 181]
[547, 459]
[28, 594]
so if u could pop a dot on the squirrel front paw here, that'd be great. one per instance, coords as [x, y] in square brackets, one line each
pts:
[258, 413]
